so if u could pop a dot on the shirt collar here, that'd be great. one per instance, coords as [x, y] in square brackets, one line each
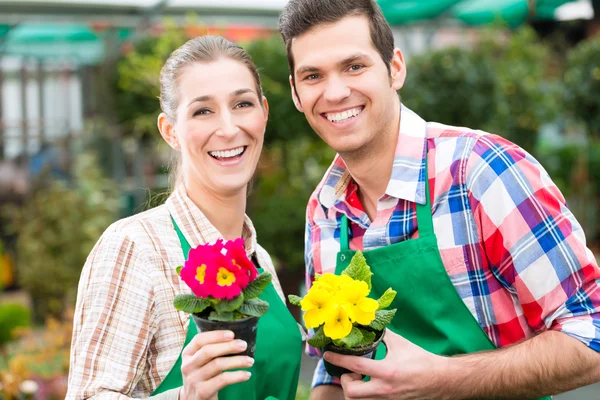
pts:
[196, 227]
[407, 181]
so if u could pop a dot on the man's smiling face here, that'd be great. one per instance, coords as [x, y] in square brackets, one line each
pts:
[343, 86]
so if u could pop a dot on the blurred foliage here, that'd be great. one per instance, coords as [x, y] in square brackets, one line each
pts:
[138, 87]
[455, 86]
[503, 85]
[294, 160]
[42, 356]
[12, 318]
[582, 85]
[58, 226]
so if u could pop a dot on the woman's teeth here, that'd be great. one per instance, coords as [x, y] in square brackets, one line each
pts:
[227, 153]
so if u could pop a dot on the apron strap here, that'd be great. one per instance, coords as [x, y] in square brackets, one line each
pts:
[344, 233]
[185, 246]
[424, 217]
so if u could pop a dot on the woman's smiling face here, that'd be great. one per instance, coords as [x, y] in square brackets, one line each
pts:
[220, 125]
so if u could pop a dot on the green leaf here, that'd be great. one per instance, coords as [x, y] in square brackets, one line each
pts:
[386, 298]
[256, 287]
[353, 339]
[254, 307]
[190, 304]
[295, 300]
[179, 268]
[221, 316]
[382, 318]
[367, 337]
[229, 305]
[319, 339]
[358, 269]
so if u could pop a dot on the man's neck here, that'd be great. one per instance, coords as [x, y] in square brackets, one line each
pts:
[225, 213]
[371, 168]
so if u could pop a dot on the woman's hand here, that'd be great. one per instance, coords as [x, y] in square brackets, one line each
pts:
[203, 365]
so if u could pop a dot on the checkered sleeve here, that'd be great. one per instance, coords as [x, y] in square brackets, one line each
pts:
[320, 377]
[114, 321]
[535, 247]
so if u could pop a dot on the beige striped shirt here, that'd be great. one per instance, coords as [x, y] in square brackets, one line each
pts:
[126, 333]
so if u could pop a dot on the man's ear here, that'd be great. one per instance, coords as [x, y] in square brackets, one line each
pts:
[397, 69]
[167, 131]
[295, 96]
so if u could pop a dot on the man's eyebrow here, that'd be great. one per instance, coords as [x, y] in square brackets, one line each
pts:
[306, 69]
[344, 62]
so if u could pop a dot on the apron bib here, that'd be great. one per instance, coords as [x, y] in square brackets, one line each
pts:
[277, 358]
[431, 313]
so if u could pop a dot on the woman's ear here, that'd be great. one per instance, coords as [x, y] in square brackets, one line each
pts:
[295, 96]
[167, 131]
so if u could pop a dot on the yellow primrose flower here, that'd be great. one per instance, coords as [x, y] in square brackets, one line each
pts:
[316, 303]
[360, 308]
[332, 283]
[337, 323]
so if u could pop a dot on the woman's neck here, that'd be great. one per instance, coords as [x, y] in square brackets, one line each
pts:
[225, 212]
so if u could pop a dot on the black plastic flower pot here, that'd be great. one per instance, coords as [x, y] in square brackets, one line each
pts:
[243, 329]
[367, 351]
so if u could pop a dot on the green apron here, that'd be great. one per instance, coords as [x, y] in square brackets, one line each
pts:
[431, 313]
[277, 358]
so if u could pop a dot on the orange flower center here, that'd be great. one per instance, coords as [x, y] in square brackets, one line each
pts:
[201, 273]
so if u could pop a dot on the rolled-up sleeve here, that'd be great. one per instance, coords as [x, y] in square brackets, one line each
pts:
[535, 246]
[114, 321]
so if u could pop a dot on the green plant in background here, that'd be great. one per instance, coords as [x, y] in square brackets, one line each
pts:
[527, 96]
[454, 86]
[502, 85]
[12, 317]
[57, 229]
[137, 87]
[294, 160]
[582, 85]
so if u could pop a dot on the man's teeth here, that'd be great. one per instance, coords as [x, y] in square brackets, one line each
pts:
[344, 116]
[227, 153]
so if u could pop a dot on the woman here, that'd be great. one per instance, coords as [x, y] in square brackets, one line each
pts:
[129, 340]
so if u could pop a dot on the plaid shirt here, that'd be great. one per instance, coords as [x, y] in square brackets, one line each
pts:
[127, 334]
[511, 247]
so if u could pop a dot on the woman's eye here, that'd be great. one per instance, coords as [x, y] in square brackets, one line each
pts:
[244, 104]
[202, 111]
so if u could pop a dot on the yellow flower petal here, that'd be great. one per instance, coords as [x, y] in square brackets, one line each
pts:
[201, 273]
[362, 317]
[315, 298]
[314, 318]
[368, 305]
[337, 323]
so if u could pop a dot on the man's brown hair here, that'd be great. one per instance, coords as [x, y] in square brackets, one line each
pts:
[300, 16]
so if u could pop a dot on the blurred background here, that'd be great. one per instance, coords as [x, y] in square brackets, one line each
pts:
[79, 146]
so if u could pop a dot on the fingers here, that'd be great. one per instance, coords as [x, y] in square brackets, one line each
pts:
[356, 364]
[204, 338]
[220, 364]
[209, 352]
[226, 379]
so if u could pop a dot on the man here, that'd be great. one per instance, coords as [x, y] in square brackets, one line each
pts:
[498, 296]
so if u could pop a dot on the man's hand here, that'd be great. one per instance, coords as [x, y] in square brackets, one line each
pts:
[549, 363]
[407, 372]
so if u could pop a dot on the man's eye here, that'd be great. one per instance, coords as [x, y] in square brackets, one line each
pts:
[312, 77]
[355, 67]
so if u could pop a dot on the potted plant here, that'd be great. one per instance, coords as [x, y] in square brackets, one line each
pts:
[225, 287]
[345, 319]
